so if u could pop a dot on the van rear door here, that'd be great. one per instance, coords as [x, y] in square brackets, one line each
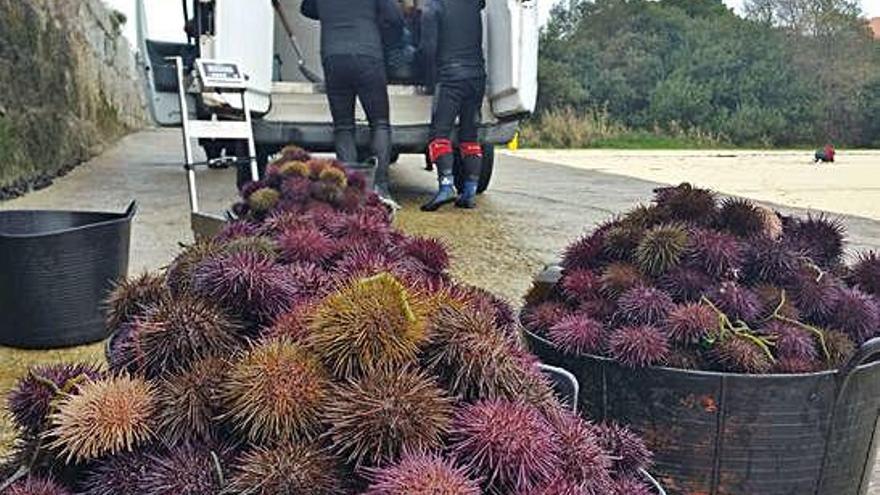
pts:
[512, 65]
[244, 33]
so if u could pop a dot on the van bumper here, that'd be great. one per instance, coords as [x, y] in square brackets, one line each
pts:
[272, 135]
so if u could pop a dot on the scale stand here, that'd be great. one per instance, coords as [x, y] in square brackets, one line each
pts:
[216, 77]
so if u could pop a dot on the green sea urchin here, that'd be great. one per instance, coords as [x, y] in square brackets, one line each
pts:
[369, 324]
[379, 417]
[276, 391]
[177, 332]
[739, 355]
[104, 417]
[188, 401]
[287, 468]
[662, 248]
[131, 297]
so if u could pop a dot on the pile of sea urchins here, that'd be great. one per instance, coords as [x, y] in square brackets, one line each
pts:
[695, 282]
[310, 349]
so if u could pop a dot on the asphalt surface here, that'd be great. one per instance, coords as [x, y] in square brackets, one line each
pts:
[533, 209]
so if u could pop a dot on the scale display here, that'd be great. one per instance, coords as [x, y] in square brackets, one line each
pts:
[219, 74]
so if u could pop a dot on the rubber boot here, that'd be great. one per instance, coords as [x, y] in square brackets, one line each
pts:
[345, 145]
[382, 150]
[472, 163]
[468, 197]
[446, 190]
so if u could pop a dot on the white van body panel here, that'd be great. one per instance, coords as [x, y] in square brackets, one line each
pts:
[244, 34]
[164, 106]
[512, 64]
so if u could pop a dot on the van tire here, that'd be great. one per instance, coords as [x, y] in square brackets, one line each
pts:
[485, 172]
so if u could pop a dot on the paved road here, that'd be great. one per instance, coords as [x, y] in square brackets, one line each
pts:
[532, 211]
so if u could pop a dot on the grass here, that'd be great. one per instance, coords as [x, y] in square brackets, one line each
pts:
[566, 129]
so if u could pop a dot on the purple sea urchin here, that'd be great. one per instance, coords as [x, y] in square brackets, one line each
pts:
[638, 346]
[580, 285]
[578, 334]
[866, 273]
[511, 444]
[791, 342]
[421, 474]
[237, 230]
[183, 470]
[739, 355]
[275, 391]
[716, 253]
[632, 486]
[116, 475]
[819, 236]
[740, 217]
[251, 285]
[179, 275]
[305, 244]
[369, 324]
[585, 253]
[432, 253]
[686, 203]
[857, 314]
[541, 317]
[685, 284]
[36, 486]
[644, 305]
[30, 401]
[627, 451]
[290, 467]
[617, 278]
[816, 293]
[736, 301]
[387, 413]
[583, 461]
[690, 323]
[662, 248]
[104, 417]
[769, 261]
[131, 297]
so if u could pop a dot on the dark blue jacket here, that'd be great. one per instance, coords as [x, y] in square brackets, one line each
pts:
[354, 27]
[452, 40]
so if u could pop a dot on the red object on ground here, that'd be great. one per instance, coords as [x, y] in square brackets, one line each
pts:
[829, 152]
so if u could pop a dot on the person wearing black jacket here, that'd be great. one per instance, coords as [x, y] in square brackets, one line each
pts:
[452, 49]
[353, 61]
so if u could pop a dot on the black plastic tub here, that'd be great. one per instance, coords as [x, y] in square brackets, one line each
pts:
[56, 268]
[730, 434]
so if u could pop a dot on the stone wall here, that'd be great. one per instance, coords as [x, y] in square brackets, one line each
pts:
[68, 88]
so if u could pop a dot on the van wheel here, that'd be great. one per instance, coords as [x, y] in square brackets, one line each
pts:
[485, 171]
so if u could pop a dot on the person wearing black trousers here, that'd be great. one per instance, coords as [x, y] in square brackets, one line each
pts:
[353, 61]
[452, 50]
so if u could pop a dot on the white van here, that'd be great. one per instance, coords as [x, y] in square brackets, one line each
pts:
[290, 109]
